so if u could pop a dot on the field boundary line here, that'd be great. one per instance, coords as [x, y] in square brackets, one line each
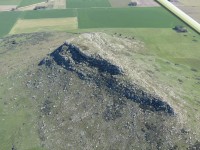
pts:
[180, 14]
[32, 5]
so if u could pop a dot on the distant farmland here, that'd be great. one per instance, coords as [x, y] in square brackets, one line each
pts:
[127, 18]
[140, 17]
[87, 3]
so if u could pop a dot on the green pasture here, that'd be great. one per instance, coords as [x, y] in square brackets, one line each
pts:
[127, 18]
[29, 2]
[87, 3]
[53, 13]
[9, 2]
[7, 20]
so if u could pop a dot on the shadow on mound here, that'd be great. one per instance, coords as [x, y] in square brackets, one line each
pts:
[96, 69]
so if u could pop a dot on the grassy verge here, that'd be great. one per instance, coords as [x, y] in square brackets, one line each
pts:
[29, 2]
[49, 14]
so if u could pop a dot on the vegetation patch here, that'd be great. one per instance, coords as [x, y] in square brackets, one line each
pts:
[87, 3]
[127, 18]
[8, 19]
[38, 25]
[29, 2]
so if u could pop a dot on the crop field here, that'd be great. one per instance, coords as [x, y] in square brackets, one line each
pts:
[8, 19]
[29, 2]
[62, 13]
[87, 3]
[10, 2]
[12, 17]
[155, 17]
[39, 25]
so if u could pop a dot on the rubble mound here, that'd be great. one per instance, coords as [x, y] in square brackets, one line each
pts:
[89, 97]
[94, 68]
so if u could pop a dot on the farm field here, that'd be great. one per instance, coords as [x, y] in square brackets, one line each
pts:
[9, 19]
[29, 2]
[42, 25]
[87, 3]
[155, 17]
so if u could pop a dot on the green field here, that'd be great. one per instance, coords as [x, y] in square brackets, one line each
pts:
[8, 19]
[9, 2]
[54, 13]
[29, 2]
[127, 18]
[87, 3]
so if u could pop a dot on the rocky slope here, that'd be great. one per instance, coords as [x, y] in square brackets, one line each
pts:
[87, 99]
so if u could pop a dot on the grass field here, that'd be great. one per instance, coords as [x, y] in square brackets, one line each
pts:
[8, 19]
[29, 2]
[49, 14]
[39, 25]
[126, 18]
[87, 3]
[10, 2]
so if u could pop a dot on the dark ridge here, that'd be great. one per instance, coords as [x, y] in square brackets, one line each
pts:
[68, 54]
[101, 71]
[136, 94]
